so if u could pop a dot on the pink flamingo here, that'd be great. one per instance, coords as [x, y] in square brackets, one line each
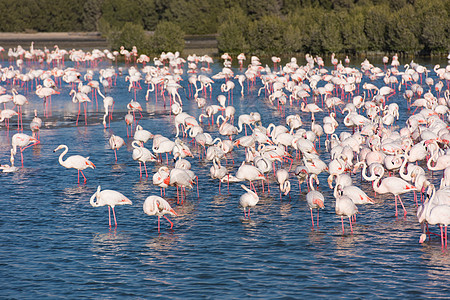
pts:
[110, 198]
[157, 206]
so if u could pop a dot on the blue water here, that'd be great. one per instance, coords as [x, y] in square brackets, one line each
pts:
[56, 245]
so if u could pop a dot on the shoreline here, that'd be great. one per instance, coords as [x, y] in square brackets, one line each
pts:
[89, 40]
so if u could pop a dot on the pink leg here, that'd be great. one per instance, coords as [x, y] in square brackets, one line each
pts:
[351, 227]
[109, 215]
[317, 218]
[85, 178]
[312, 218]
[114, 214]
[145, 167]
[442, 237]
[396, 212]
[158, 223]
[342, 221]
[401, 202]
[171, 224]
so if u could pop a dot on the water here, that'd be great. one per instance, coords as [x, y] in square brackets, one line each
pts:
[56, 245]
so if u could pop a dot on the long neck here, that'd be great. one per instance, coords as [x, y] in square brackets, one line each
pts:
[376, 186]
[62, 154]
[432, 158]
[92, 202]
[407, 175]
[430, 202]
[311, 182]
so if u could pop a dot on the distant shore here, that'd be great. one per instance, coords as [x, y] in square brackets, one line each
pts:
[89, 40]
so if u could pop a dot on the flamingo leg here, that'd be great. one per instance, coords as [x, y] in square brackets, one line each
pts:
[109, 215]
[171, 224]
[198, 195]
[115, 154]
[396, 212]
[401, 202]
[145, 167]
[317, 218]
[342, 221]
[86, 179]
[351, 227]
[114, 214]
[442, 236]
[312, 218]
[158, 223]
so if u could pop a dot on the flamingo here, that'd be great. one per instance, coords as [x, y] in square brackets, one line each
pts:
[46, 93]
[110, 198]
[116, 142]
[161, 178]
[157, 206]
[282, 177]
[311, 108]
[142, 155]
[315, 199]
[74, 161]
[250, 173]
[248, 200]
[182, 178]
[217, 171]
[344, 207]
[35, 125]
[80, 98]
[141, 135]
[129, 120]
[6, 115]
[22, 141]
[108, 102]
[437, 213]
[19, 101]
[9, 168]
[393, 185]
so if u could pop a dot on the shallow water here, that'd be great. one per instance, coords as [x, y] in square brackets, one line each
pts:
[56, 245]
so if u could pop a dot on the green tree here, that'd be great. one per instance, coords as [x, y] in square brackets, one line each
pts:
[92, 11]
[233, 31]
[195, 16]
[353, 36]
[292, 39]
[168, 37]
[119, 12]
[256, 9]
[375, 26]
[265, 36]
[402, 32]
[331, 39]
[130, 35]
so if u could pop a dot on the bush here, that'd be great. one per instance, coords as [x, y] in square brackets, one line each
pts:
[130, 35]
[168, 37]
[232, 32]
[265, 36]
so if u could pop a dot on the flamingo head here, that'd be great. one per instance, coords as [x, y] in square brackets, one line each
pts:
[422, 238]
[319, 203]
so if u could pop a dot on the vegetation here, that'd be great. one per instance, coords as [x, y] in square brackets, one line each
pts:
[256, 26]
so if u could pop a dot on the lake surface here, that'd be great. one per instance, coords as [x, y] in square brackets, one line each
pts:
[56, 245]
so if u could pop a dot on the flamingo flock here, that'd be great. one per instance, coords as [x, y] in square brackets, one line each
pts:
[355, 107]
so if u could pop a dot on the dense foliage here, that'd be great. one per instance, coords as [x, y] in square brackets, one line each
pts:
[257, 26]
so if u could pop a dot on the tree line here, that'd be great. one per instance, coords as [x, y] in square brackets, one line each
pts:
[253, 26]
